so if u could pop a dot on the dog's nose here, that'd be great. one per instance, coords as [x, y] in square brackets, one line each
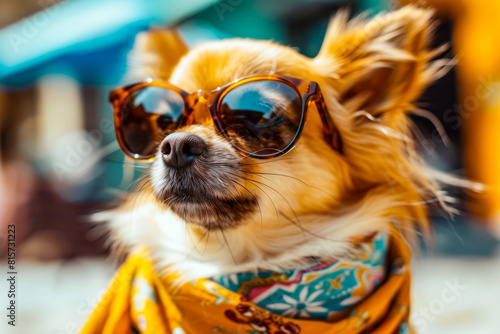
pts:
[181, 148]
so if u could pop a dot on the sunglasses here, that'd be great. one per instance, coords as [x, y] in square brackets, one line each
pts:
[261, 116]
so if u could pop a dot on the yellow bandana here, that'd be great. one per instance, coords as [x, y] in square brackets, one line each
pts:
[376, 301]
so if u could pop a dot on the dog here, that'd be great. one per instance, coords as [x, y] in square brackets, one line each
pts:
[282, 192]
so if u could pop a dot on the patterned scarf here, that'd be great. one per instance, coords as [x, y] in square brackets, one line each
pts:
[368, 292]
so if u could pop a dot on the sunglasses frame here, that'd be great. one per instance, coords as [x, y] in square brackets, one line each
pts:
[308, 91]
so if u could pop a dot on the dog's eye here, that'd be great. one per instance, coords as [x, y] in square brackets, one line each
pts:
[166, 124]
[147, 116]
[261, 116]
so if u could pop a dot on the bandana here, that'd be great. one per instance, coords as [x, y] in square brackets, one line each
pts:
[368, 292]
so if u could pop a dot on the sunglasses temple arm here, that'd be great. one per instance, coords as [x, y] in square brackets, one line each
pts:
[329, 128]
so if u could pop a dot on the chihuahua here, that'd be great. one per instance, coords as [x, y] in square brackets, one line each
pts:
[285, 188]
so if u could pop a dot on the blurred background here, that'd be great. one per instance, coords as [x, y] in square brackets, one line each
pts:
[59, 161]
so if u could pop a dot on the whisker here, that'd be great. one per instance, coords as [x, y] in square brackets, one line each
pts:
[295, 215]
[206, 242]
[263, 149]
[265, 193]
[266, 162]
[289, 176]
[245, 164]
[249, 157]
[279, 194]
[139, 195]
[195, 247]
[224, 129]
[304, 230]
[255, 197]
[229, 248]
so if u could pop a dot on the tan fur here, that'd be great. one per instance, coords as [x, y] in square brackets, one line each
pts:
[313, 200]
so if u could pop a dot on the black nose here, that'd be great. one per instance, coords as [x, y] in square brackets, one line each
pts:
[181, 148]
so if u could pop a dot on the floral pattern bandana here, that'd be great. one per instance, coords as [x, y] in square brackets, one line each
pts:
[319, 290]
[367, 292]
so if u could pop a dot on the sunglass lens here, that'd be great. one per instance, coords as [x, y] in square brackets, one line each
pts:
[262, 118]
[147, 116]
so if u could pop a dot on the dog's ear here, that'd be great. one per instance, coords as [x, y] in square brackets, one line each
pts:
[156, 52]
[380, 65]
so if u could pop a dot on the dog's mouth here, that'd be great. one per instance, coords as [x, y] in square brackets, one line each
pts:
[208, 211]
[198, 176]
[209, 191]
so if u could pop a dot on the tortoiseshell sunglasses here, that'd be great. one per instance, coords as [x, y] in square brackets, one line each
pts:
[262, 116]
